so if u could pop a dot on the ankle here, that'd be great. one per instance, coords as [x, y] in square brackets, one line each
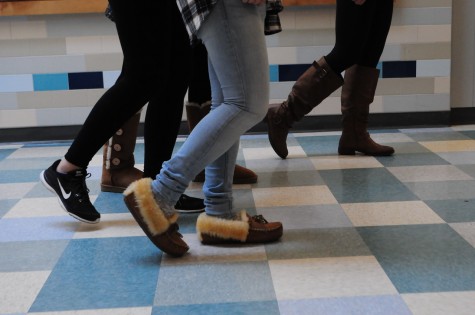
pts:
[167, 207]
[65, 167]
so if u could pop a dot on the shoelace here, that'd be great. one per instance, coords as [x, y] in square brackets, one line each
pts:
[82, 193]
[259, 218]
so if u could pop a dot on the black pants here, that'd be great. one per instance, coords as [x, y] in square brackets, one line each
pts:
[361, 32]
[155, 69]
[200, 88]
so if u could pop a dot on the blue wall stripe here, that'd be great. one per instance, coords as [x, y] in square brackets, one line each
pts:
[50, 82]
[274, 73]
[85, 80]
[291, 72]
[399, 69]
[96, 80]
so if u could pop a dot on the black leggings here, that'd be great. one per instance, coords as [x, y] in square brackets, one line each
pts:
[199, 91]
[200, 88]
[361, 32]
[155, 69]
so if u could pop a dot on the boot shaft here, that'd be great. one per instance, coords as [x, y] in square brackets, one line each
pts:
[312, 87]
[195, 112]
[119, 150]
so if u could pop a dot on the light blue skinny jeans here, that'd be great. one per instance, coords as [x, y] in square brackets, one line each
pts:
[233, 34]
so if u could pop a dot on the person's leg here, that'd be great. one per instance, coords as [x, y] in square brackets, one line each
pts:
[360, 83]
[198, 106]
[239, 59]
[136, 25]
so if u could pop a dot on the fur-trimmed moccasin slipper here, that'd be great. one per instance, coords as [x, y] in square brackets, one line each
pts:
[244, 229]
[160, 229]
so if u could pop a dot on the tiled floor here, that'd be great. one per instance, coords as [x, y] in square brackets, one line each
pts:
[362, 235]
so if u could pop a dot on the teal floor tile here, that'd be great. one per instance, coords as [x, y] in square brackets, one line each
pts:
[19, 176]
[244, 308]
[454, 210]
[101, 273]
[443, 190]
[288, 179]
[438, 135]
[413, 159]
[110, 203]
[423, 258]
[316, 243]
[319, 145]
[6, 205]
[30, 255]
[359, 305]
[214, 283]
[4, 153]
[366, 185]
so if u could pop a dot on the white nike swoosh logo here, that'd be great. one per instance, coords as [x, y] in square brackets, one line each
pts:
[65, 195]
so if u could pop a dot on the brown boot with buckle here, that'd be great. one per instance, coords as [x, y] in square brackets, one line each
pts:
[118, 169]
[243, 229]
[312, 87]
[356, 96]
[194, 113]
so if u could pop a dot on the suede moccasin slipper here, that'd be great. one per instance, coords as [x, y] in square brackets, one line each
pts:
[160, 229]
[244, 229]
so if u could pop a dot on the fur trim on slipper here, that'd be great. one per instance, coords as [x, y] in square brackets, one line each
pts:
[152, 215]
[236, 230]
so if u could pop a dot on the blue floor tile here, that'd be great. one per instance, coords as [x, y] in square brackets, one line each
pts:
[246, 308]
[438, 136]
[19, 176]
[454, 210]
[443, 190]
[6, 205]
[320, 145]
[413, 159]
[36, 229]
[360, 305]
[214, 283]
[30, 256]
[423, 258]
[286, 179]
[315, 243]
[110, 203]
[101, 273]
[4, 153]
[365, 185]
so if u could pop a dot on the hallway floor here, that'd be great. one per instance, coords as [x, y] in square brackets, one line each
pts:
[362, 235]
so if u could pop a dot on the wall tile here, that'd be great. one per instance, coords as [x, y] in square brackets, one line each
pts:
[18, 118]
[50, 82]
[433, 68]
[28, 29]
[16, 83]
[85, 80]
[8, 101]
[83, 45]
[5, 31]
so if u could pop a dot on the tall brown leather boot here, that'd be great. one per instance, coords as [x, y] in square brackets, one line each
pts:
[356, 96]
[312, 87]
[118, 170]
[194, 113]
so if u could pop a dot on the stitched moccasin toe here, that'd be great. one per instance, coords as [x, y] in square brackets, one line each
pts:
[244, 229]
[160, 229]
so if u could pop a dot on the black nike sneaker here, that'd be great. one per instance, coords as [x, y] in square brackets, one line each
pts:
[72, 192]
[188, 204]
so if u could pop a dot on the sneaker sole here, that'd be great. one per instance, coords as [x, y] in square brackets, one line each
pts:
[45, 183]
[190, 211]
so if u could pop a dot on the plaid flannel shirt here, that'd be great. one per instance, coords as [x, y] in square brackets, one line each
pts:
[194, 12]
